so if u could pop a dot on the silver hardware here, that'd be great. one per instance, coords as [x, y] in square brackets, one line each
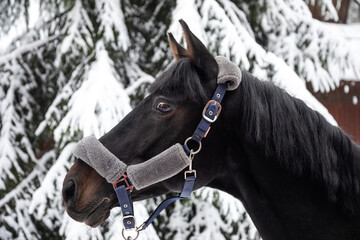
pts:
[189, 171]
[129, 216]
[216, 114]
[210, 113]
[125, 205]
[218, 95]
[194, 152]
[127, 213]
[191, 156]
[140, 228]
[129, 237]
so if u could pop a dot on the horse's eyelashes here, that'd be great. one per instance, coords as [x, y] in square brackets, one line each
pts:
[164, 107]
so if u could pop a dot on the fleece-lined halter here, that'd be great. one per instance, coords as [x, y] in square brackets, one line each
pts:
[162, 166]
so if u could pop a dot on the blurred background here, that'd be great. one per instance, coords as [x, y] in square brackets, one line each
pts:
[70, 69]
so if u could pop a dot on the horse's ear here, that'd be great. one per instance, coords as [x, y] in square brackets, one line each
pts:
[177, 50]
[196, 51]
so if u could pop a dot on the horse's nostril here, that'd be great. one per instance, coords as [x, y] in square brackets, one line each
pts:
[69, 190]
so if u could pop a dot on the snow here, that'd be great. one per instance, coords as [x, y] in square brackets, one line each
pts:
[92, 96]
[237, 44]
[331, 13]
[318, 51]
[74, 20]
[351, 34]
[51, 185]
[95, 107]
[12, 124]
[113, 18]
[185, 225]
[355, 100]
[186, 10]
[20, 28]
[26, 48]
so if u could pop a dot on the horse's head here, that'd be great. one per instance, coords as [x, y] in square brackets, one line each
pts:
[167, 116]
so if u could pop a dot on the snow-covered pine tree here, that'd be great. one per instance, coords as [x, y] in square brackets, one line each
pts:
[91, 102]
[27, 86]
[78, 68]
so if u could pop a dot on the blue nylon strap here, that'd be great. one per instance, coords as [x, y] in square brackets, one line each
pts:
[210, 112]
[185, 193]
[126, 205]
[187, 187]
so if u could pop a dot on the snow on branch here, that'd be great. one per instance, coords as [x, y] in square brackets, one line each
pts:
[51, 185]
[26, 48]
[25, 182]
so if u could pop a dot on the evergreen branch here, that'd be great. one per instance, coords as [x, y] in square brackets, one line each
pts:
[25, 182]
[15, 192]
[37, 27]
[146, 79]
[27, 48]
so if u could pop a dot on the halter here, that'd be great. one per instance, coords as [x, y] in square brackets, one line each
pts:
[229, 78]
[123, 187]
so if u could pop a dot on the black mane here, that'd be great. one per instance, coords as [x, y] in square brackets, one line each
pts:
[301, 138]
[283, 127]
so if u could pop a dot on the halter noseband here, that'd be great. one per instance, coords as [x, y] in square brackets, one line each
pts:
[172, 160]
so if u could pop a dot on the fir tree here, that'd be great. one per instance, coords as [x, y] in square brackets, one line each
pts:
[81, 65]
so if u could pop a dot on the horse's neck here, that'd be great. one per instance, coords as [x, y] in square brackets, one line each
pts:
[282, 204]
[285, 130]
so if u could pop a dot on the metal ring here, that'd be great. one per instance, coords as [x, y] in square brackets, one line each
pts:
[194, 152]
[129, 237]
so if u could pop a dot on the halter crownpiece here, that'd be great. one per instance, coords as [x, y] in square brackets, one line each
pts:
[229, 73]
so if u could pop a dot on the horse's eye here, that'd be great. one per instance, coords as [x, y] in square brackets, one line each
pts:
[164, 107]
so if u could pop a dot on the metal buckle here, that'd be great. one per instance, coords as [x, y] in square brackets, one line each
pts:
[188, 172]
[129, 216]
[130, 229]
[127, 184]
[217, 113]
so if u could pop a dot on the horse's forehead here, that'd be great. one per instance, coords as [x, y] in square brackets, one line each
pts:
[167, 93]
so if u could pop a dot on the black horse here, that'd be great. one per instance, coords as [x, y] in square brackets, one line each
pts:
[296, 174]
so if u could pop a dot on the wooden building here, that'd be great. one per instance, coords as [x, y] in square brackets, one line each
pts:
[344, 105]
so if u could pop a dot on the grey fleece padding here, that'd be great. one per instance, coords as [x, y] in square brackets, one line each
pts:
[161, 167]
[91, 151]
[228, 72]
